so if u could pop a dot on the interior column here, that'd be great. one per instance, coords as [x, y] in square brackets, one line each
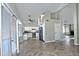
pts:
[76, 24]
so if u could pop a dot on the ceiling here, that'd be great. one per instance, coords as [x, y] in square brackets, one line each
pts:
[35, 9]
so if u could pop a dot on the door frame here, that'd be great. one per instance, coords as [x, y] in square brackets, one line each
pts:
[17, 27]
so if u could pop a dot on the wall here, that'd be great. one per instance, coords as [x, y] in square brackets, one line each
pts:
[53, 31]
[13, 34]
[5, 23]
[20, 30]
[58, 31]
[66, 14]
[77, 23]
[13, 9]
[20, 34]
[0, 25]
[49, 31]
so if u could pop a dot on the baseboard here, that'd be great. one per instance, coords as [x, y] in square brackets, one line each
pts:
[49, 41]
[76, 44]
[17, 54]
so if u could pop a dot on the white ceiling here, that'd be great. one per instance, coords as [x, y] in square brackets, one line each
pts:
[36, 9]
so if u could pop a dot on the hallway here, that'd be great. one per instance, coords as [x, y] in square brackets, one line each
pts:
[24, 26]
[34, 47]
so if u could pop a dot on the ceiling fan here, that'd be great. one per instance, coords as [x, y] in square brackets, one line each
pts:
[30, 18]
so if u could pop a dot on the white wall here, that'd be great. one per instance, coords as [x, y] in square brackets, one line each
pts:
[13, 8]
[67, 14]
[77, 23]
[20, 30]
[49, 31]
[58, 31]
[6, 22]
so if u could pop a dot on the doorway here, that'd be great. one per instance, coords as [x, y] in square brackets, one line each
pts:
[68, 31]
